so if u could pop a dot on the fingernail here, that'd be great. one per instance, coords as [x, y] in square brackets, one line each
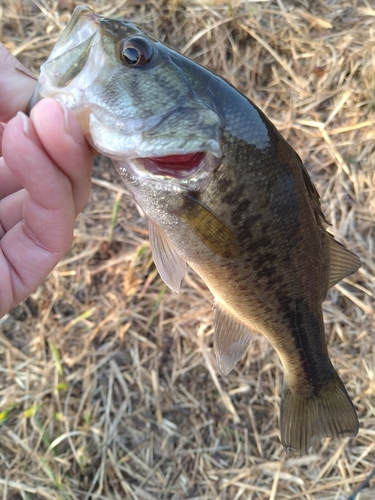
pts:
[71, 126]
[25, 123]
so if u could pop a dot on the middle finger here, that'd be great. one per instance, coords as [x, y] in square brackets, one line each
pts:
[8, 182]
[11, 209]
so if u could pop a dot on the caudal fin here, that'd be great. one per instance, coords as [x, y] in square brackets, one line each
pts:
[328, 414]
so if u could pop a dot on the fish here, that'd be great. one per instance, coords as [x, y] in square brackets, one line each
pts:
[224, 193]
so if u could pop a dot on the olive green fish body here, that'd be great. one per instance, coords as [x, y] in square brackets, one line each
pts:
[277, 281]
[280, 276]
[224, 193]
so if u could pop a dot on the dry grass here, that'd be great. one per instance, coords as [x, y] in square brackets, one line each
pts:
[108, 384]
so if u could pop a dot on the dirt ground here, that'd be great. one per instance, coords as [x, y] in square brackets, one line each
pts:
[109, 387]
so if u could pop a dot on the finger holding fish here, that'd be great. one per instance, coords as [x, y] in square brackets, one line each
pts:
[40, 197]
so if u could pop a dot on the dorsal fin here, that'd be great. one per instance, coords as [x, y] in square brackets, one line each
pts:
[342, 262]
[294, 161]
[210, 228]
[170, 265]
[231, 339]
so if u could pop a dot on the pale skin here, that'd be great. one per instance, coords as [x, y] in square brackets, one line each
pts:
[45, 181]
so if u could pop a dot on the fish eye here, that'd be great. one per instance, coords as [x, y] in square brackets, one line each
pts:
[136, 51]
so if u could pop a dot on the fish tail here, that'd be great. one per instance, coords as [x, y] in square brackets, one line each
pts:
[328, 413]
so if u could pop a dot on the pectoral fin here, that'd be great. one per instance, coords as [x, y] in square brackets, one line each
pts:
[231, 340]
[210, 229]
[170, 265]
[342, 261]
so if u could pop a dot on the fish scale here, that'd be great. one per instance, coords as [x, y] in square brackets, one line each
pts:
[243, 213]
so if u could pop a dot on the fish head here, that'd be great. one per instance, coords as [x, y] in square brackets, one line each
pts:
[137, 100]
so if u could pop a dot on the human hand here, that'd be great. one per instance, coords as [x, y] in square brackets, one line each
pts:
[45, 176]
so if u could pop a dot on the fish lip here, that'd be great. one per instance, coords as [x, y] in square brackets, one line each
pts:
[132, 139]
[33, 99]
[82, 17]
[109, 119]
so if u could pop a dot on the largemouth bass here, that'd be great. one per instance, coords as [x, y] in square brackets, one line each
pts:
[223, 193]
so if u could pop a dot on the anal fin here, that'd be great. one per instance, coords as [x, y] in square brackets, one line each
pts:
[170, 265]
[231, 339]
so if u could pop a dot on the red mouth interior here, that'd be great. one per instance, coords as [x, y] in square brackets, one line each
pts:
[179, 162]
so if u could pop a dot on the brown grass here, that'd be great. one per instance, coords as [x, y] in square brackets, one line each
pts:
[108, 384]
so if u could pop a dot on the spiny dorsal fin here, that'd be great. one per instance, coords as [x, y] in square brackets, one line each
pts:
[295, 162]
[342, 262]
[210, 229]
[314, 197]
[170, 265]
[231, 339]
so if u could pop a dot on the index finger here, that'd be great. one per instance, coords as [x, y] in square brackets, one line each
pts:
[16, 86]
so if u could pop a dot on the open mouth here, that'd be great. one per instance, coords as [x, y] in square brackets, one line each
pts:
[179, 166]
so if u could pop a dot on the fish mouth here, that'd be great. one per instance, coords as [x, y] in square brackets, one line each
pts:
[188, 159]
[180, 166]
[151, 147]
[173, 172]
[187, 171]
